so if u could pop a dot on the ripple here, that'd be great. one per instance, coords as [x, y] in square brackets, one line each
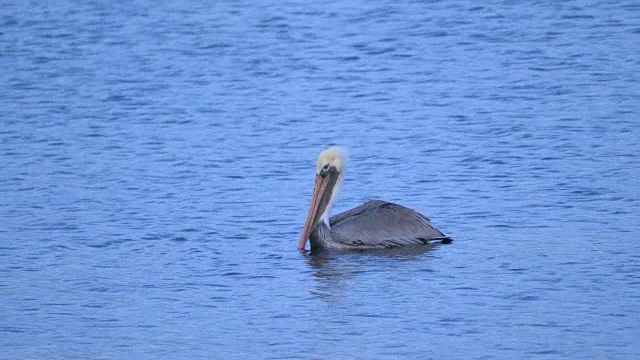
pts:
[158, 163]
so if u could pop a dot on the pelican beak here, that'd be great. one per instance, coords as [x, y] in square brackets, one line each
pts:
[325, 181]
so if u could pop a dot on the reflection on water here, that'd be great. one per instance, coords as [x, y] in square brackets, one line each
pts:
[334, 269]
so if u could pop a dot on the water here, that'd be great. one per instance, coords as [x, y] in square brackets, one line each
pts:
[158, 162]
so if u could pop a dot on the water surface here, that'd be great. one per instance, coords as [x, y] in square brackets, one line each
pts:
[158, 161]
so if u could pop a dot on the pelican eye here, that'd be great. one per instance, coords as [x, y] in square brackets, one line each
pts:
[325, 170]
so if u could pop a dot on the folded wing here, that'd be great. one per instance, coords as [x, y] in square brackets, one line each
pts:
[384, 225]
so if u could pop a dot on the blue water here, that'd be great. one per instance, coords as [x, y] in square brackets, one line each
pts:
[157, 163]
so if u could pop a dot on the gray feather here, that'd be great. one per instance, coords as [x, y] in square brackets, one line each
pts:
[376, 224]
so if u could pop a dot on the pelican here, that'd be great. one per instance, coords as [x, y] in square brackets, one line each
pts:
[375, 224]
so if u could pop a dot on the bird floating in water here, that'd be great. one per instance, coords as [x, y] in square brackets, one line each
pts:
[375, 224]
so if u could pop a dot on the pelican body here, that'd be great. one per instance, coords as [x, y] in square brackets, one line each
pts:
[375, 224]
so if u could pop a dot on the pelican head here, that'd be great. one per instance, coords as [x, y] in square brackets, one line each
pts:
[329, 174]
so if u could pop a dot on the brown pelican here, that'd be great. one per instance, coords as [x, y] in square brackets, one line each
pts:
[374, 224]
